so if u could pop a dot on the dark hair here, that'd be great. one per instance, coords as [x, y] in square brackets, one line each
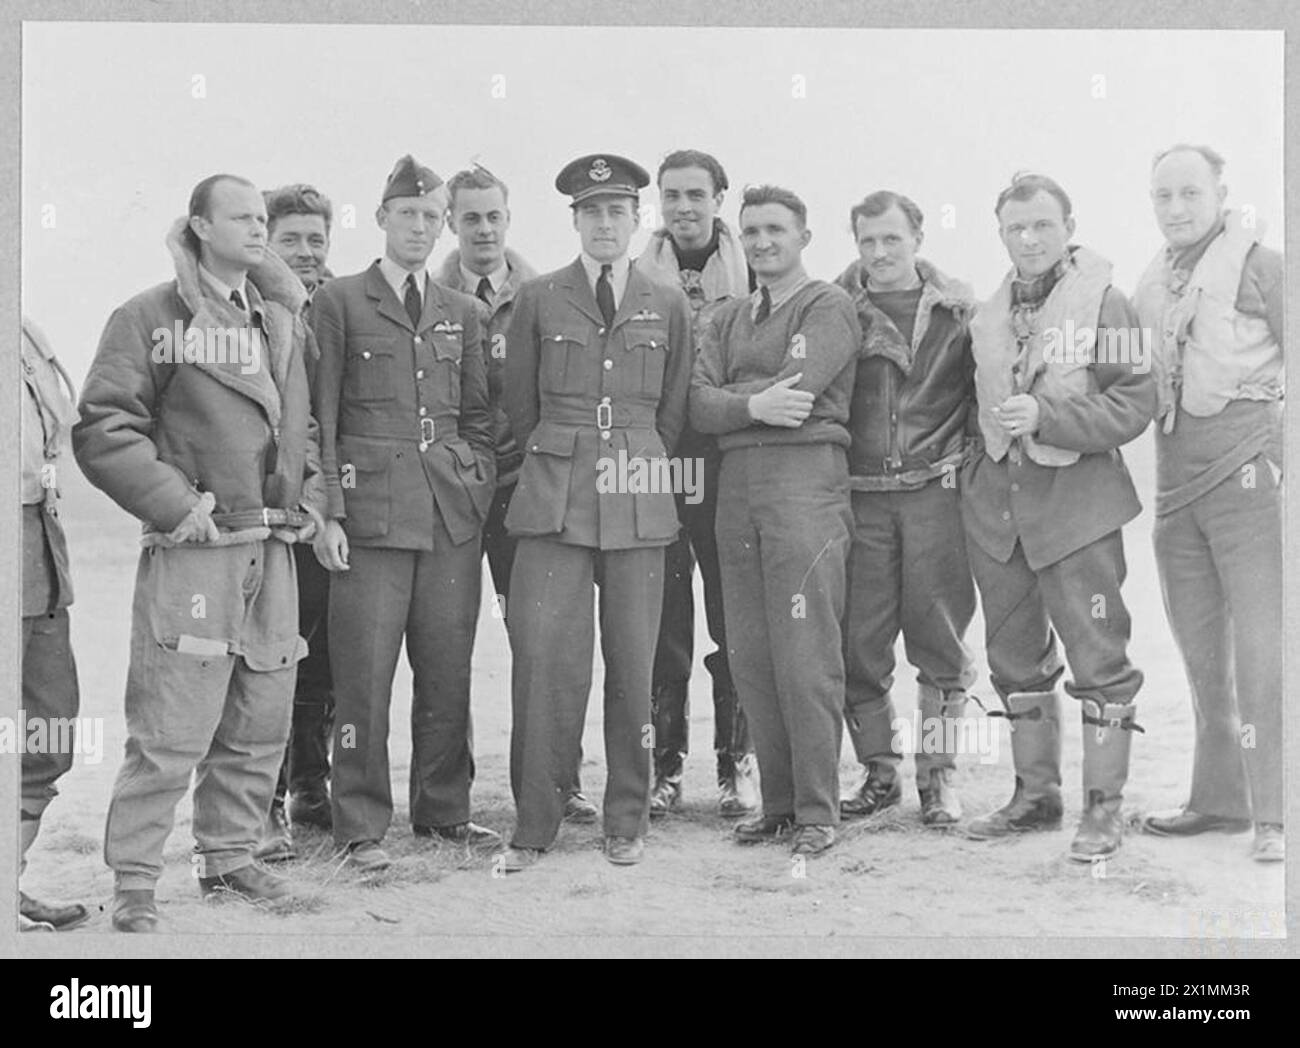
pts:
[694, 158]
[296, 199]
[877, 203]
[1212, 156]
[476, 177]
[756, 195]
[201, 201]
[1025, 185]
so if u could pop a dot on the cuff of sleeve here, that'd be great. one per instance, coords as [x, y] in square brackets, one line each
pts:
[737, 412]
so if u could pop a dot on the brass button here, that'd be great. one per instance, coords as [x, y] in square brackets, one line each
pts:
[417, 340]
[1006, 515]
[424, 445]
[365, 354]
[600, 331]
[1015, 487]
[423, 410]
[420, 373]
[608, 364]
[604, 433]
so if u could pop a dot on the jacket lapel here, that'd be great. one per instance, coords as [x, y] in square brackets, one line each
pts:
[581, 297]
[258, 385]
[435, 309]
[385, 298]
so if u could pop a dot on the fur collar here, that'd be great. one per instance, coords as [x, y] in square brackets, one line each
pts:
[880, 336]
[272, 277]
[449, 274]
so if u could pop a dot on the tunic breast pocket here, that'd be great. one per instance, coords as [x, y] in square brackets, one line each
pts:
[651, 344]
[369, 370]
[447, 350]
[562, 354]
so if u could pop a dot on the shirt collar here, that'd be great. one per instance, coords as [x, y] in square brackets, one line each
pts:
[222, 290]
[396, 277]
[781, 291]
[497, 278]
[618, 269]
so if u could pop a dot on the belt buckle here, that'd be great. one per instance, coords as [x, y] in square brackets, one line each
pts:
[266, 517]
[426, 430]
[605, 420]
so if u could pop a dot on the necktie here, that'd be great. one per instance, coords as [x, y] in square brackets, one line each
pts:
[238, 300]
[764, 306]
[412, 298]
[605, 294]
[484, 290]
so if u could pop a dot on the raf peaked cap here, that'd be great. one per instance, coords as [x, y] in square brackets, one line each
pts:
[601, 173]
[410, 179]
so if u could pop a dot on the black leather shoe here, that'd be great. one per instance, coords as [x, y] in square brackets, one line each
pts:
[813, 840]
[135, 910]
[250, 882]
[763, 828]
[311, 809]
[874, 795]
[578, 809]
[60, 918]
[624, 851]
[1185, 823]
[665, 797]
[468, 833]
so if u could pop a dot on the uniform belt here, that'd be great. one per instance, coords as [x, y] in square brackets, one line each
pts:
[260, 518]
[428, 429]
[605, 415]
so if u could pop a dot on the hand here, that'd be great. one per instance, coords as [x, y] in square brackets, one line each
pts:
[312, 527]
[779, 405]
[331, 547]
[1018, 415]
[197, 525]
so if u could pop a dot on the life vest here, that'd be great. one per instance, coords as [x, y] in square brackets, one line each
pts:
[1072, 306]
[1201, 342]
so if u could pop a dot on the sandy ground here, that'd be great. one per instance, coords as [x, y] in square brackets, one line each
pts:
[887, 877]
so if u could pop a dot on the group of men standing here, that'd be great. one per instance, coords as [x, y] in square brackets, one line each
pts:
[872, 451]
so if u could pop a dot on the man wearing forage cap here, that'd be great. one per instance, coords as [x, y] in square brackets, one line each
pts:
[598, 365]
[407, 452]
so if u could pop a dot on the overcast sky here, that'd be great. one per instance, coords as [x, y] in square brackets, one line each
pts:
[120, 121]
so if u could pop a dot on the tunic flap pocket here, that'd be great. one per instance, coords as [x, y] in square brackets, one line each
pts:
[366, 458]
[548, 441]
[575, 335]
[368, 373]
[464, 454]
[644, 337]
[447, 345]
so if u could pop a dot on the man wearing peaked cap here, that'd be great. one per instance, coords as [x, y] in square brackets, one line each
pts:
[408, 455]
[598, 364]
[590, 176]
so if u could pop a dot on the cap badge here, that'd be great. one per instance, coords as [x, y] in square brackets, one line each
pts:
[600, 171]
